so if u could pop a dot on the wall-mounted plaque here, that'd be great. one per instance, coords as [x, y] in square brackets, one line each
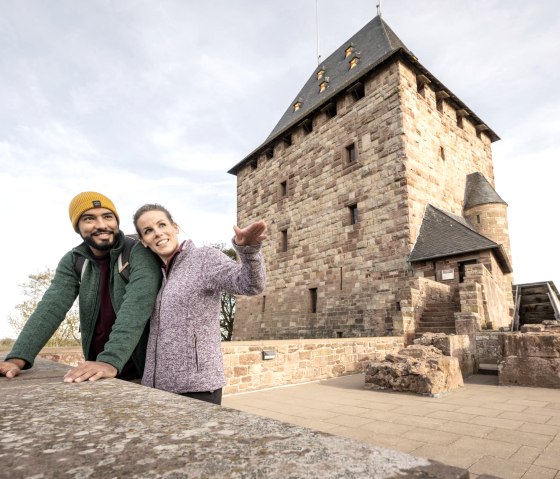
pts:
[447, 274]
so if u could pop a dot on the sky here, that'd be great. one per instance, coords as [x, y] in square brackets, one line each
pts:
[154, 101]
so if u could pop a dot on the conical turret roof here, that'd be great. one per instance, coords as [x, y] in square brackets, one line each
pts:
[479, 191]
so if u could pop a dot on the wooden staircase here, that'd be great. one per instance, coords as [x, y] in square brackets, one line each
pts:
[535, 303]
[437, 318]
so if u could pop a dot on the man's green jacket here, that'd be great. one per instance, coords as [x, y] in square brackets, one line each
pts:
[132, 302]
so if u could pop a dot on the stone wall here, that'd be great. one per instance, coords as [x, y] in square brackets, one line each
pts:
[490, 301]
[336, 278]
[488, 348]
[299, 361]
[294, 362]
[530, 359]
[440, 151]
[71, 356]
[355, 270]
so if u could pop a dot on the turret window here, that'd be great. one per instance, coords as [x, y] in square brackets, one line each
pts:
[320, 74]
[297, 105]
[348, 51]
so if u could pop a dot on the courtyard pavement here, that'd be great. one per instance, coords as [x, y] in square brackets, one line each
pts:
[507, 431]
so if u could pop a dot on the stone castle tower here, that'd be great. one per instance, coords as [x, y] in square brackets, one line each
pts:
[377, 185]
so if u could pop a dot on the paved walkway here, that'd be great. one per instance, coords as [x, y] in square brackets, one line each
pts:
[505, 431]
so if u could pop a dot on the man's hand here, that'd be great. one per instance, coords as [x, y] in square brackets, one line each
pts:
[90, 371]
[251, 235]
[11, 367]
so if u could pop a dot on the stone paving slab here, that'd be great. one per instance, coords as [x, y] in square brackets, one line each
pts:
[112, 429]
[508, 432]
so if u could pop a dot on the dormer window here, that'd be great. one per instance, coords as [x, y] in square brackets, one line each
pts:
[297, 105]
[320, 74]
[323, 86]
[354, 62]
[348, 51]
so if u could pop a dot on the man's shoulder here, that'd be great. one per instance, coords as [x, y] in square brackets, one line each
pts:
[143, 254]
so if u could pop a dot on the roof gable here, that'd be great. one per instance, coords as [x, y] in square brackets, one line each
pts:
[445, 234]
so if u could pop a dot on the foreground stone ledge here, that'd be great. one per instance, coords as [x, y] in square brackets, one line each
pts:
[111, 428]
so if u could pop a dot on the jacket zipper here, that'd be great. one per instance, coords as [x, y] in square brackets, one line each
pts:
[195, 353]
[157, 331]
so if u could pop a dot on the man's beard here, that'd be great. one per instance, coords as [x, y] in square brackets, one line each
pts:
[104, 245]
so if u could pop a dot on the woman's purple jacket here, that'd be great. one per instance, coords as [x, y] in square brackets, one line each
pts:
[184, 352]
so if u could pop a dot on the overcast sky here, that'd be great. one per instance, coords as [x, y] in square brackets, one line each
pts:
[153, 101]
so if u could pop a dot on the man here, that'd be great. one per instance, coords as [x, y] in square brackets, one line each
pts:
[113, 312]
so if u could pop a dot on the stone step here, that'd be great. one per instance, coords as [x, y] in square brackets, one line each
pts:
[439, 316]
[428, 323]
[535, 289]
[442, 307]
[533, 320]
[530, 309]
[436, 329]
[536, 317]
[534, 298]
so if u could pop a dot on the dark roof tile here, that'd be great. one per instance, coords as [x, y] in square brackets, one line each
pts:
[479, 191]
[445, 234]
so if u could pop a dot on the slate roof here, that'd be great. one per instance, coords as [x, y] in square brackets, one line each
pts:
[479, 191]
[444, 234]
[373, 44]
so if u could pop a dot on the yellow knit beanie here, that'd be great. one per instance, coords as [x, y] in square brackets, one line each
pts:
[86, 201]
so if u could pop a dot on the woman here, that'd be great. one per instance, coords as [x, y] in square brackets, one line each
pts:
[184, 354]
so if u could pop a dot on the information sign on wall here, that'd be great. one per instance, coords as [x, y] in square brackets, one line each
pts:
[447, 274]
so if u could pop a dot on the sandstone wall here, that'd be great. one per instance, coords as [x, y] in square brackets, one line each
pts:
[530, 359]
[439, 153]
[492, 302]
[300, 361]
[294, 362]
[335, 278]
[354, 269]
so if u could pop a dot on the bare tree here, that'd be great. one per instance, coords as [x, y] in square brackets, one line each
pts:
[33, 290]
[227, 309]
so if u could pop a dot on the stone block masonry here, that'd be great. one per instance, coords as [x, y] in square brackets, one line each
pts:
[298, 361]
[294, 361]
[342, 226]
[530, 359]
